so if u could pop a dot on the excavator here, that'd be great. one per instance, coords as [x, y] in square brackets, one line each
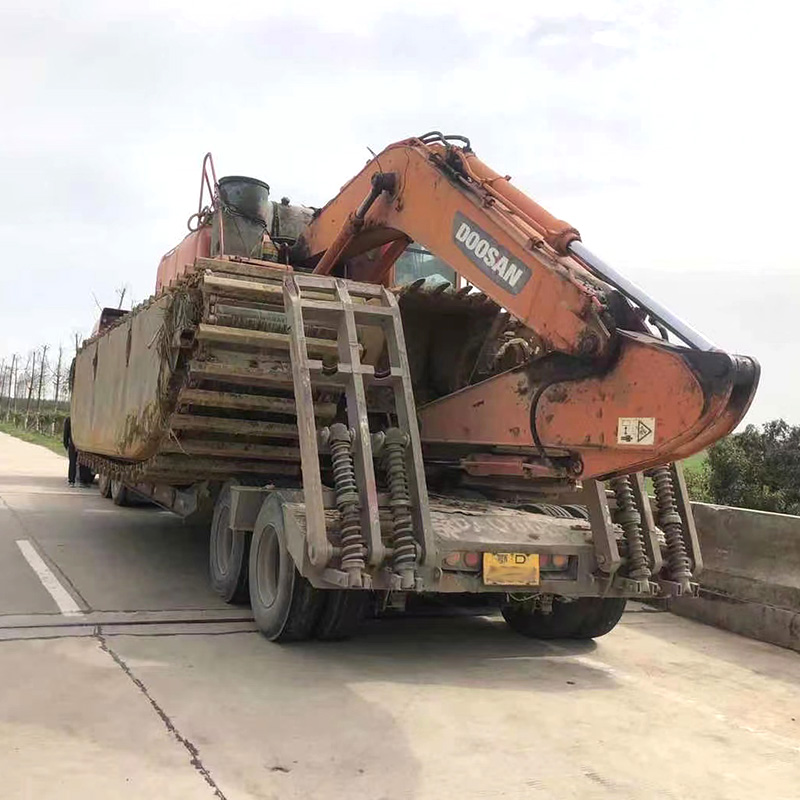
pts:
[429, 386]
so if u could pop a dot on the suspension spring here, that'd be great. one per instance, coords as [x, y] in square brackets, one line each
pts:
[670, 522]
[394, 461]
[631, 521]
[344, 481]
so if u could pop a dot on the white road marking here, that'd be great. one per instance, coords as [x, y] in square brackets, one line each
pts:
[64, 601]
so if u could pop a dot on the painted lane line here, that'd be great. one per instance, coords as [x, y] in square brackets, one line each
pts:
[64, 601]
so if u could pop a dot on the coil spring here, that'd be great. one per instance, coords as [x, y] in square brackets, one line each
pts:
[670, 521]
[405, 551]
[629, 518]
[344, 481]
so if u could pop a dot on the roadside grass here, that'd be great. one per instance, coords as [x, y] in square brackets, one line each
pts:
[695, 462]
[34, 437]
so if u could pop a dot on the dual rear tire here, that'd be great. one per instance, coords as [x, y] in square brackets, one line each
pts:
[259, 567]
[228, 554]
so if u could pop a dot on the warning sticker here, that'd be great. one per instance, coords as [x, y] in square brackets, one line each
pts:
[636, 430]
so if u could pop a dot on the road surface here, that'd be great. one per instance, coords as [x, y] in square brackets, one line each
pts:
[123, 676]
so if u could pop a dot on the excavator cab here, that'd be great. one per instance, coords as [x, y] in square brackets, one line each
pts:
[416, 263]
[108, 316]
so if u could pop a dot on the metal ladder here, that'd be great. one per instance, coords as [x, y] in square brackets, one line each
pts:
[345, 305]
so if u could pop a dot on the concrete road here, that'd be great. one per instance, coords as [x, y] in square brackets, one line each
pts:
[127, 678]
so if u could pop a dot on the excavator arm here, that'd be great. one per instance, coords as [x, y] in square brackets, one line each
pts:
[603, 395]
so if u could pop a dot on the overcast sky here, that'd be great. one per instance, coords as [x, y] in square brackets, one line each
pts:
[667, 133]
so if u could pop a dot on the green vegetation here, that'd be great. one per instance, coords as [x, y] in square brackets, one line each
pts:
[695, 462]
[34, 437]
[757, 468]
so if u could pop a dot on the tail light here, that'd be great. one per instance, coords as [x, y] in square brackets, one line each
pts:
[553, 562]
[463, 561]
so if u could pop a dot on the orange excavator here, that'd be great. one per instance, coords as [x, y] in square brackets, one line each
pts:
[430, 385]
[603, 395]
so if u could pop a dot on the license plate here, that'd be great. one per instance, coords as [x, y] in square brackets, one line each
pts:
[511, 569]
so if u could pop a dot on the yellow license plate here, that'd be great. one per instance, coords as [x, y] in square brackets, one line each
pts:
[511, 569]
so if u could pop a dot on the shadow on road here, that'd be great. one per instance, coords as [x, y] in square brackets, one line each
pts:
[348, 713]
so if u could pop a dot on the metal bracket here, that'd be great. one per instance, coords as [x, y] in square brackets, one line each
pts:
[338, 578]
[674, 589]
[690, 537]
[629, 586]
[603, 537]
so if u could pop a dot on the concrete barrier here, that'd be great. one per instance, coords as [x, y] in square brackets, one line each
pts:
[751, 580]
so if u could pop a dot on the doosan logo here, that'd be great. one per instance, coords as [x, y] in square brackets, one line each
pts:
[492, 259]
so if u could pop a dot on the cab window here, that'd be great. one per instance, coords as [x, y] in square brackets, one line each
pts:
[417, 262]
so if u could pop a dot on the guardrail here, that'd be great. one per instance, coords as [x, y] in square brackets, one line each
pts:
[751, 580]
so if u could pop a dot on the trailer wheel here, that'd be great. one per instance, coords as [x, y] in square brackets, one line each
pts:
[104, 485]
[603, 617]
[228, 554]
[584, 618]
[342, 613]
[119, 493]
[286, 607]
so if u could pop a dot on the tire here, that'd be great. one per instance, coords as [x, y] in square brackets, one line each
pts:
[228, 554]
[104, 485]
[606, 613]
[286, 607]
[584, 618]
[341, 615]
[119, 493]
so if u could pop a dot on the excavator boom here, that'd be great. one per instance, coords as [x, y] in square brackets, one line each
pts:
[604, 394]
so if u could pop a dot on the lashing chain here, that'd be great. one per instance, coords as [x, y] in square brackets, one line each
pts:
[631, 521]
[344, 481]
[405, 551]
[669, 520]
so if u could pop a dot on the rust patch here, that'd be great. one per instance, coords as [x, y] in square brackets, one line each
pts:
[558, 394]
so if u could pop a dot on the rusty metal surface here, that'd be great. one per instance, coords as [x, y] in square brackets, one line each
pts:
[686, 394]
[180, 399]
[121, 382]
[457, 525]
[317, 548]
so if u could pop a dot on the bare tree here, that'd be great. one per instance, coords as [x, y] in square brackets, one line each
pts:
[30, 376]
[12, 386]
[42, 367]
[57, 376]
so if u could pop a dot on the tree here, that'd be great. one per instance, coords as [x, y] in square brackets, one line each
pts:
[57, 377]
[757, 468]
[42, 367]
